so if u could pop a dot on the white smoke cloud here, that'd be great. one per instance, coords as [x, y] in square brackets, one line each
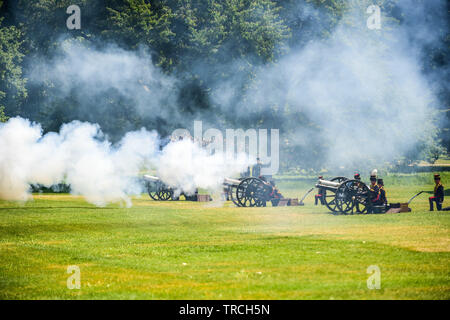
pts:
[185, 166]
[91, 74]
[79, 155]
[363, 88]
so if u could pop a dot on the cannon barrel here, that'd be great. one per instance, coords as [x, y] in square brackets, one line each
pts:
[151, 178]
[233, 182]
[327, 183]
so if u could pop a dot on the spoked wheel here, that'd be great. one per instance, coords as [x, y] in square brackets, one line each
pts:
[165, 194]
[330, 201]
[330, 196]
[152, 191]
[352, 197]
[251, 192]
[232, 194]
[362, 199]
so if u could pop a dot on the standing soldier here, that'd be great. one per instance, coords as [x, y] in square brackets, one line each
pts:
[438, 193]
[256, 170]
[321, 194]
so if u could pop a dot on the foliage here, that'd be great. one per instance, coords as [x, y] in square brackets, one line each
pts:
[199, 42]
[3, 117]
[12, 83]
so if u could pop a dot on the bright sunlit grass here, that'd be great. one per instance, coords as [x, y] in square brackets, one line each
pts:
[186, 250]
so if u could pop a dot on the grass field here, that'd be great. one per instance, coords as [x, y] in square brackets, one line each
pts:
[185, 250]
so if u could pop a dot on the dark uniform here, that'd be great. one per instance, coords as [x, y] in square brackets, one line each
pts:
[374, 193]
[382, 192]
[374, 189]
[438, 194]
[321, 194]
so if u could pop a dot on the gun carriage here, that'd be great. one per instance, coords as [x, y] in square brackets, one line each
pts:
[248, 192]
[158, 190]
[342, 195]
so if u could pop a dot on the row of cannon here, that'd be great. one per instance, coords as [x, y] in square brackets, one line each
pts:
[339, 195]
[247, 192]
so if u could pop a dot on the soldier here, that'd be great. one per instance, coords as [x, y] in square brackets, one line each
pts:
[321, 193]
[256, 171]
[438, 193]
[374, 192]
[373, 187]
[382, 198]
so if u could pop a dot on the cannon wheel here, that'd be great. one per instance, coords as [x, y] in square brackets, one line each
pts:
[232, 194]
[251, 193]
[152, 192]
[330, 199]
[352, 196]
[165, 194]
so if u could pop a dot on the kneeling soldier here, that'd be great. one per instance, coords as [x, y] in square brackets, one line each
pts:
[438, 193]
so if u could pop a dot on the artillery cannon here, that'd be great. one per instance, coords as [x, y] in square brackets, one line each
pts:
[248, 192]
[342, 195]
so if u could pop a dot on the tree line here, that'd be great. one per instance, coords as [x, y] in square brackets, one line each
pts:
[178, 34]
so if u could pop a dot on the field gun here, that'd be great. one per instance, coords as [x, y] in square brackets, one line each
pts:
[342, 195]
[158, 190]
[248, 192]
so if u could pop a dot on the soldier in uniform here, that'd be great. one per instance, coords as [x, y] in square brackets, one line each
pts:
[321, 194]
[374, 191]
[438, 194]
[256, 170]
[382, 198]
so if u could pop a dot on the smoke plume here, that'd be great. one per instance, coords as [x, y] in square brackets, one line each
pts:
[79, 155]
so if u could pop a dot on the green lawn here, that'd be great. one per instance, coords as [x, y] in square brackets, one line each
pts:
[185, 250]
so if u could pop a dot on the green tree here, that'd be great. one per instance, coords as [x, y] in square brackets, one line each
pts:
[139, 22]
[12, 83]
